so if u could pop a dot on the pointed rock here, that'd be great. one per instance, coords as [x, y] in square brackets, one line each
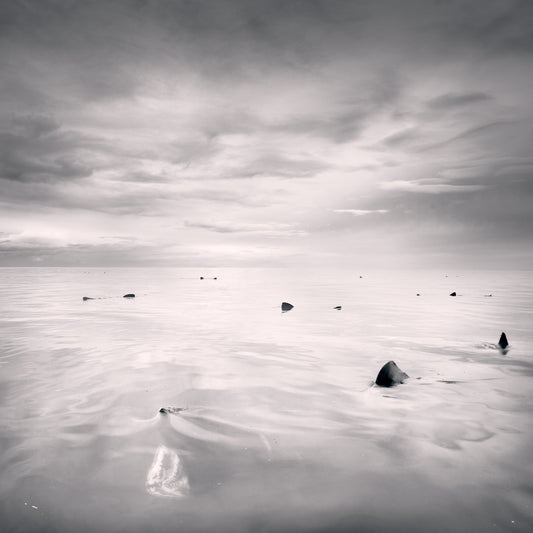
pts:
[502, 343]
[285, 306]
[390, 375]
[130, 295]
[453, 294]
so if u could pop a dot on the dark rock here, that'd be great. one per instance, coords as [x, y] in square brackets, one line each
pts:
[453, 294]
[130, 295]
[171, 410]
[285, 306]
[390, 375]
[338, 307]
[85, 298]
[214, 278]
[201, 277]
[502, 343]
[418, 294]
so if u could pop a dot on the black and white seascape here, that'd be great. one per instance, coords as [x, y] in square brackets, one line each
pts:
[266, 266]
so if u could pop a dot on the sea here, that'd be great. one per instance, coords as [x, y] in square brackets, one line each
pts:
[199, 406]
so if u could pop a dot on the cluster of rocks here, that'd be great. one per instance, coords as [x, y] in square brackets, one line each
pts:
[391, 375]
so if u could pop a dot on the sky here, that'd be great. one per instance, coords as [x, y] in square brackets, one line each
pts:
[361, 133]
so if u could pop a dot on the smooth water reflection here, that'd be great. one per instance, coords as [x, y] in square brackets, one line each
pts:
[280, 428]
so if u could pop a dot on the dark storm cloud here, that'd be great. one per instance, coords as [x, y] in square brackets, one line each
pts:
[35, 150]
[450, 100]
[495, 26]
[111, 38]
[32, 126]
[103, 50]
[140, 195]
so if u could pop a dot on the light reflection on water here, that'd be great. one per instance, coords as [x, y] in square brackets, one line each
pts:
[281, 428]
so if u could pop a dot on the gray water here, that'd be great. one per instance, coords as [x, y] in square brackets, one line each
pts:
[279, 426]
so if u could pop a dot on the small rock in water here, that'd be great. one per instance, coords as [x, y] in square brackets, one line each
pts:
[285, 306]
[338, 307]
[171, 410]
[85, 298]
[390, 375]
[453, 294]
[502, 343]
[129, 295]
[201, 277]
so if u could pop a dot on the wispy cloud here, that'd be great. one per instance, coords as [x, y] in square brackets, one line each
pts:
[267, 229]
[428, 186]
[361, 212]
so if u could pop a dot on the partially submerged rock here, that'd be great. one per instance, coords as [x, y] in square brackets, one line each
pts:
[171, 410]
[286, 306]
[390, 375]
[338, 307]
[130, 295]
[453, 294]
[85, 298]
[502, 343]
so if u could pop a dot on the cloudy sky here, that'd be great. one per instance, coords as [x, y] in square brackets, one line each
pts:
[365, 133]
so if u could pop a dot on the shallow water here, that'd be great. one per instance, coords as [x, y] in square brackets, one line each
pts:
[279, 426]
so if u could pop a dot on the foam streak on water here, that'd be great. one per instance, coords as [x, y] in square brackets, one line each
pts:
[166, 477]
[277, 426]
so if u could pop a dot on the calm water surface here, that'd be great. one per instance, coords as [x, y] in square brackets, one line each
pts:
[277, 425]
